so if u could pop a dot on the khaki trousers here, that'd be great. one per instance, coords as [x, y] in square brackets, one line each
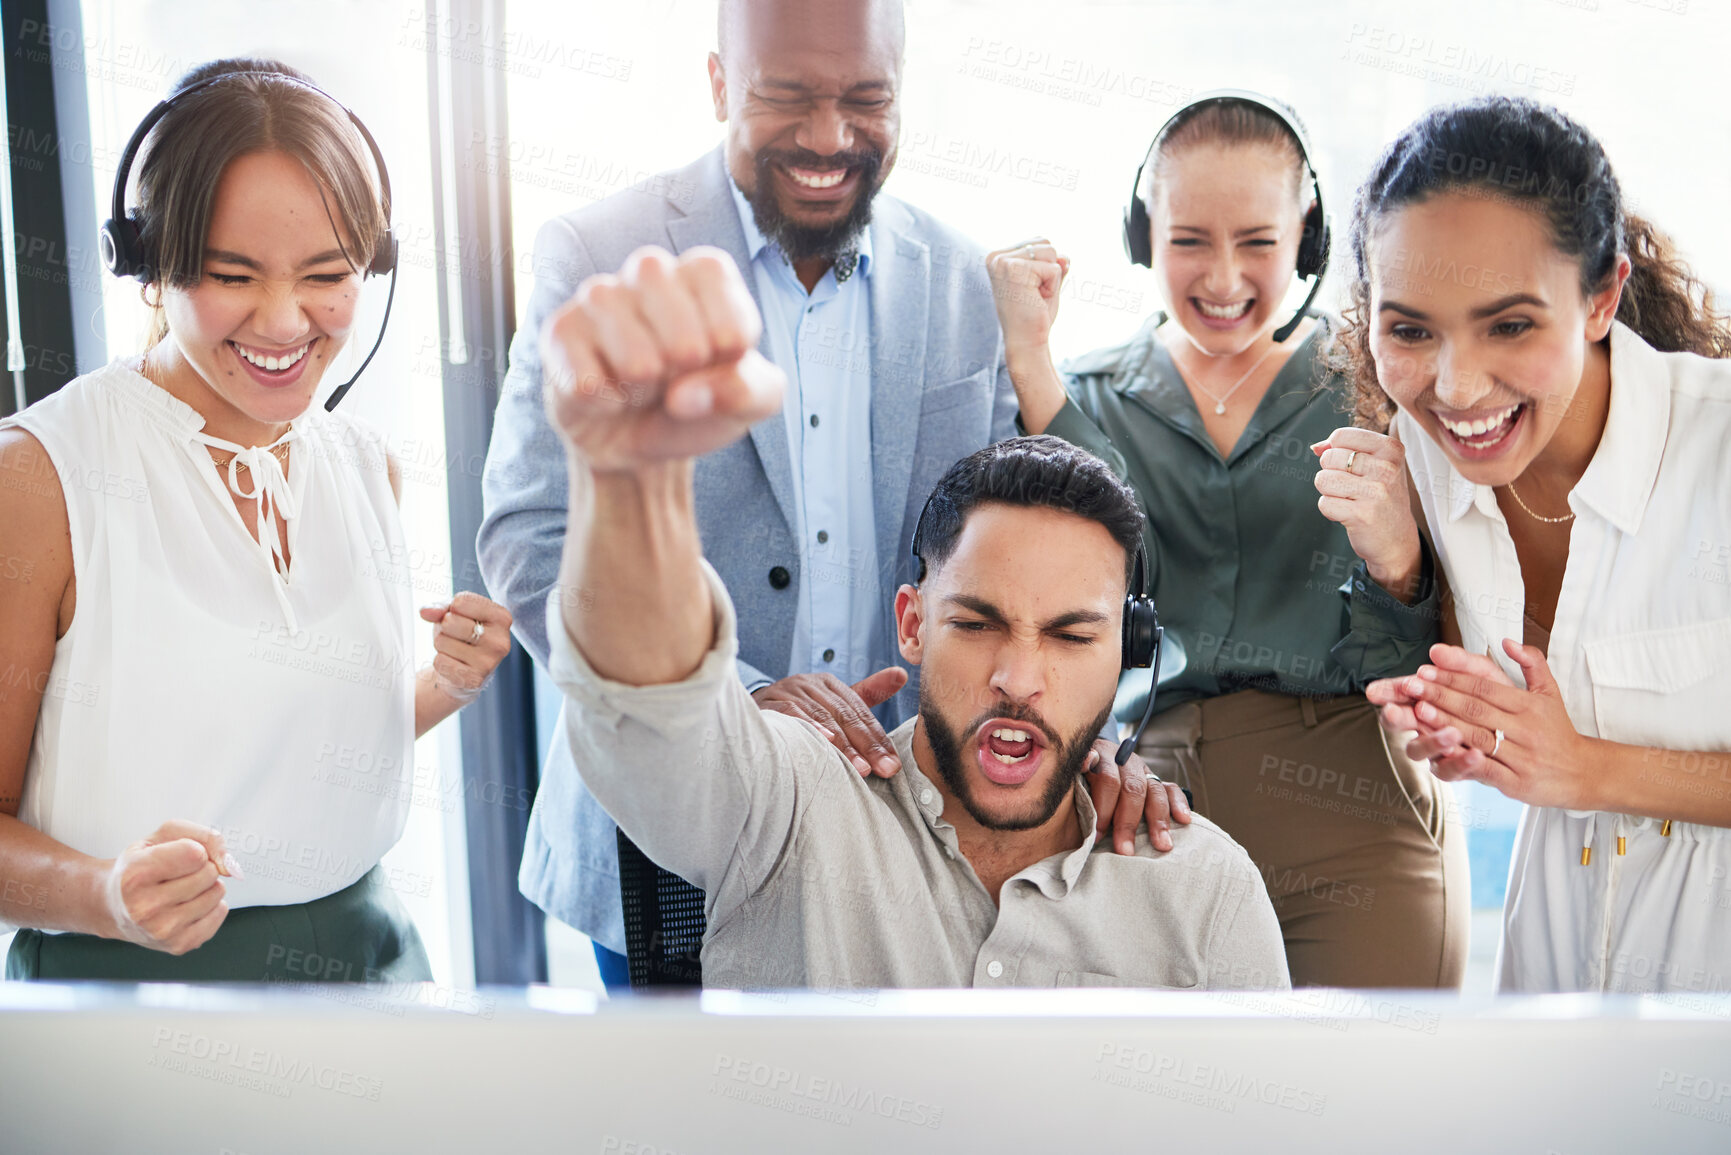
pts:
[1371, 886]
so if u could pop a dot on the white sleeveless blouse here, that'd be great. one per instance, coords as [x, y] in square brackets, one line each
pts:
[198, 683]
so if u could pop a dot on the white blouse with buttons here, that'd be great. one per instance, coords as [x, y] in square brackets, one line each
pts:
[1641, 650]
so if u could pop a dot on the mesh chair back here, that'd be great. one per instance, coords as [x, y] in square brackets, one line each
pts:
[664, 922]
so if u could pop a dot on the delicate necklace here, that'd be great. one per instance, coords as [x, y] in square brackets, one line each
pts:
[1220, 401]
[1535, 516]
[280, 453]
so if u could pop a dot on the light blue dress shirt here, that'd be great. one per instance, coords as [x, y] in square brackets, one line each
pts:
[822, 341]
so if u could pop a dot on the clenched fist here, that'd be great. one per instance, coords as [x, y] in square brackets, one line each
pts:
[1026, 282]
[657, 363]
[1363, 483]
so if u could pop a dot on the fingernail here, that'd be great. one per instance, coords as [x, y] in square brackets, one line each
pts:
[693, 401]
[230, 866]
[1428, 673]
[860, 765]
[1318, 447]
[888, 765]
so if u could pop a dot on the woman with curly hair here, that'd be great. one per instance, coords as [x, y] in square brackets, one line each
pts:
[1553, 371]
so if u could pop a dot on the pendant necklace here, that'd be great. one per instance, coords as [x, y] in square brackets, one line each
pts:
[1220, 401]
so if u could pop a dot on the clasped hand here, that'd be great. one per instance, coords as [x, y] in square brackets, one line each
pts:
[1460, 704]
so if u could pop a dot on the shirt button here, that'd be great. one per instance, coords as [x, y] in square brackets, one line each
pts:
[814, 421]
[926, 800]
[779, 577]
[995, 969]
[829, 655]
[822, 536]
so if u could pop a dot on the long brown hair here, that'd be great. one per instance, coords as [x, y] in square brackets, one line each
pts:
[262, 105]
[1533, 156]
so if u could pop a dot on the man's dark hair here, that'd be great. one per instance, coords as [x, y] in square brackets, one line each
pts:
[1028, 471]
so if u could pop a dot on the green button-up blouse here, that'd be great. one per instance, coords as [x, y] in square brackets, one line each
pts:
[1262, 591]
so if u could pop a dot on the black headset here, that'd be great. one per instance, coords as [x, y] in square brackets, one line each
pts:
[121, 240]
[1139, 646]
[1312, 247]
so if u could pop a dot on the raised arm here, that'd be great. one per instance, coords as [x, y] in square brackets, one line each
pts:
[524, 487]
[1026, 281]
[645, 371]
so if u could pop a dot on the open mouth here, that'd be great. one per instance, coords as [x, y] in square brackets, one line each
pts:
[1222, 316]
[827, 184]
[1484, 435]
[1009, 751]
[273, 367]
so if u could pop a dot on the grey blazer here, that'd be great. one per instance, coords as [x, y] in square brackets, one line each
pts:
[940, 390]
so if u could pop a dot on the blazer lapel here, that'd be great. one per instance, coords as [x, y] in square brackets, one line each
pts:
[901, 282]
[712, 219]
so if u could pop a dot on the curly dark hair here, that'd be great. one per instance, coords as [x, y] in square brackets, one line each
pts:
[1536, 157]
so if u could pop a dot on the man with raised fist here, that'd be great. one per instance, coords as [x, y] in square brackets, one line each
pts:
[978, 864]
[881, 319]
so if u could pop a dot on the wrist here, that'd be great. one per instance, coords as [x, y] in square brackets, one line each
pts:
[99, 892]
[1403, 576]
[1039, 388]
[1589, 764]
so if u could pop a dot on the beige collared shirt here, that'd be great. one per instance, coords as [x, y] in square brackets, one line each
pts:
[816, 877]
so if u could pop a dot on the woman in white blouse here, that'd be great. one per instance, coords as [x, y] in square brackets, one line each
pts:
[206, 733]
[1565, 424]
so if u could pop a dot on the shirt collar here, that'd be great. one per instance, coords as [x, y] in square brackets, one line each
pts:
[1619, 480]
[1151, 375]
[756, 242]
[1057, 874]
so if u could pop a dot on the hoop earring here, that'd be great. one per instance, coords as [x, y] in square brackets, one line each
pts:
[144, 295]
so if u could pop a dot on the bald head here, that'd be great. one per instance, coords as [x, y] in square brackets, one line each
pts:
[810, 93]
[747, 25]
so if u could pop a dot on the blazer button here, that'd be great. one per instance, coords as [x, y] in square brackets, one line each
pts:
[779, 577]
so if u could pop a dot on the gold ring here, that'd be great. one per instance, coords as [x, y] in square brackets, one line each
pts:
[476, 636]
[1351, 457]
[1497, 745]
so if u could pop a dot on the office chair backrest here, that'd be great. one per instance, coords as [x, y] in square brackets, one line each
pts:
[664, 922]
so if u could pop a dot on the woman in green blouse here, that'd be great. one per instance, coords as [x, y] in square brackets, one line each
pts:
[1283, 613]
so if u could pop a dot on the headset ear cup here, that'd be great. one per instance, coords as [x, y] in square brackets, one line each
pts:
[1140, 621]
[1313, 248]
[1137, 244]
[384, 254]
[122, 249]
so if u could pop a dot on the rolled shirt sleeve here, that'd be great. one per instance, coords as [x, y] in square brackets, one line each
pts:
[693, 771]
[1385, 636]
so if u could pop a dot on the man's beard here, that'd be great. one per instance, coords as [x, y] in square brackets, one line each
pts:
[804, 242]
[1072, 755]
